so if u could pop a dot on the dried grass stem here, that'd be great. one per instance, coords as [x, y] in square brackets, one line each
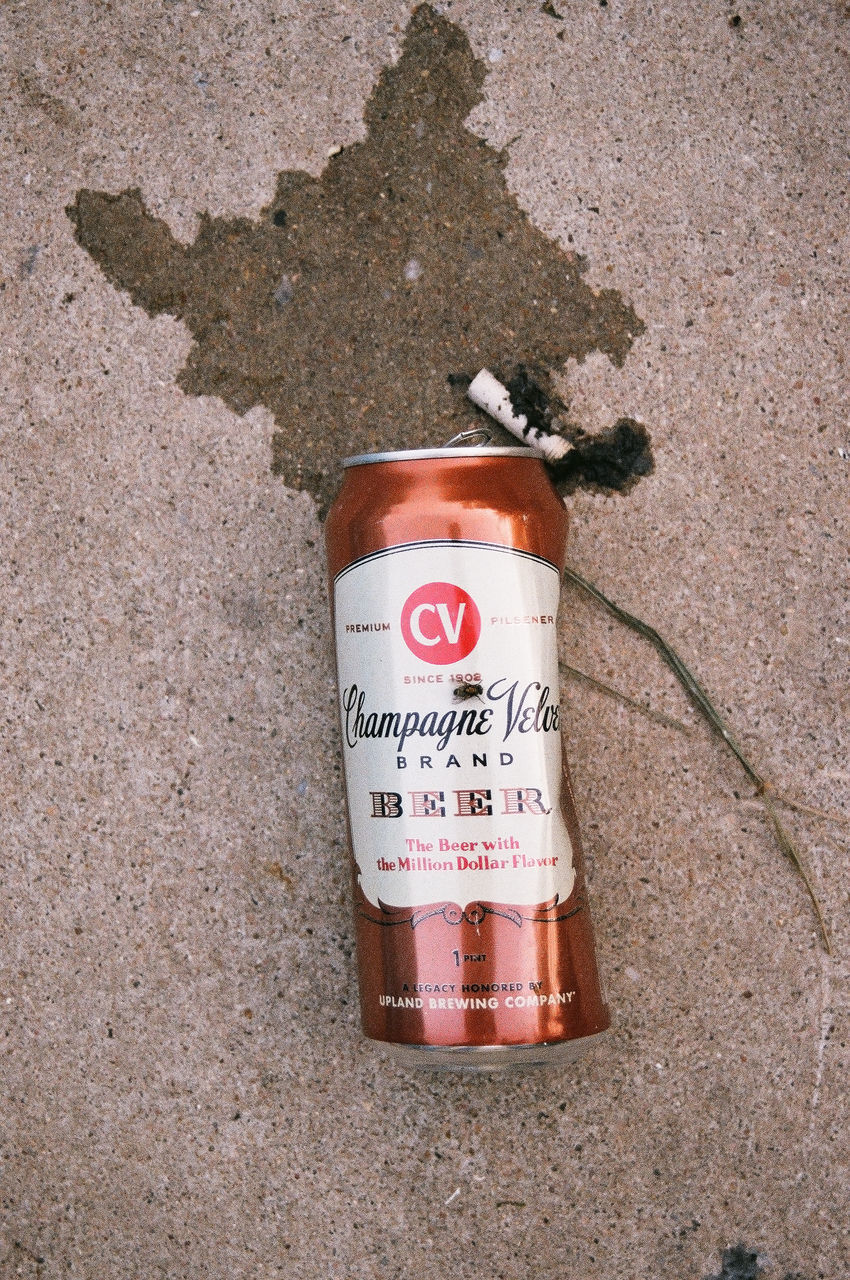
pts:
[706, 707]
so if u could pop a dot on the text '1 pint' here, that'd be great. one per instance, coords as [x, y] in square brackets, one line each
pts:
[475, 945]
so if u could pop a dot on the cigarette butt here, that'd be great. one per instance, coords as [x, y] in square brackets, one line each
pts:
[486, 391]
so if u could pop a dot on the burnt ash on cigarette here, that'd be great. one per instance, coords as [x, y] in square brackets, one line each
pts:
[344, 306]
[613, 459]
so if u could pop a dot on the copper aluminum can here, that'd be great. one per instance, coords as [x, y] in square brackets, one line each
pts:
[475, 944]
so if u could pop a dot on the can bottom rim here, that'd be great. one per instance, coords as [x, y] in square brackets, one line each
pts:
[490, 1057]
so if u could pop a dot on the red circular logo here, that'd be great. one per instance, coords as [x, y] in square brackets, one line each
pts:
[440, 623]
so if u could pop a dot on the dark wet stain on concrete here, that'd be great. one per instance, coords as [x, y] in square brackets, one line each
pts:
[741, 1263]
[346, 305]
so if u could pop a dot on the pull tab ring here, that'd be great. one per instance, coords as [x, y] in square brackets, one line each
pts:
[478, 436]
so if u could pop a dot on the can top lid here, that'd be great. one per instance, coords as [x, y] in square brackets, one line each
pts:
[415, 455]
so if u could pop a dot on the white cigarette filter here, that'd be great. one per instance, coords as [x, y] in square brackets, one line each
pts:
[486, 391]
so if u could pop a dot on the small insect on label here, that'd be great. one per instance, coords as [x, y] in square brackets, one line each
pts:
[448, 682]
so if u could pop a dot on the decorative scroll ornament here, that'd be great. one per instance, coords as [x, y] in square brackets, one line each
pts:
[474, 913]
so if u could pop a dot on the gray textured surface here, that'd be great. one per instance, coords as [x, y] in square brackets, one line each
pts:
[185, 1090]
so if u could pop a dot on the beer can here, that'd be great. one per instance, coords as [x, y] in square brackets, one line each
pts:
[474, 939]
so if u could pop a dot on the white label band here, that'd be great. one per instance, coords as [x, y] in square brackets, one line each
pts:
[448, 680]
